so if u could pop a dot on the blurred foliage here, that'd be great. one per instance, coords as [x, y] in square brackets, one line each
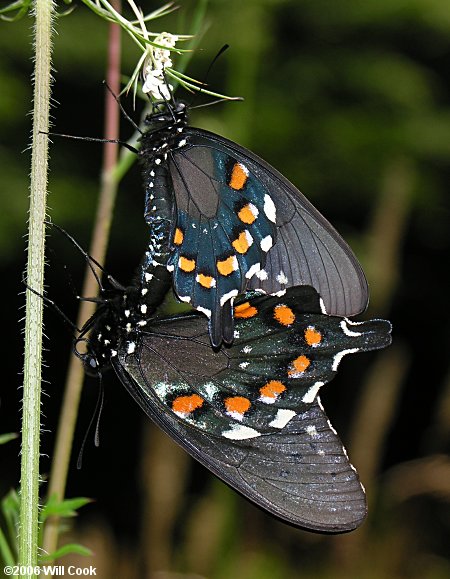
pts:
[350, 100]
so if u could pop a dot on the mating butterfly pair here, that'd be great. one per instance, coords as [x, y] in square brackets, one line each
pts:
[222, 222]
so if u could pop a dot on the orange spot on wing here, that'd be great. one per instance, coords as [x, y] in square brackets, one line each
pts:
[186, 264]
[178, 237]
[312, 336]
[227, 266]
[272, 389]
[247, 215]
[187, 404]
[238, 177]
[206, 281]
[299, 365]
[245, 310]
[237, 404]
[284, 315]
[241, 244]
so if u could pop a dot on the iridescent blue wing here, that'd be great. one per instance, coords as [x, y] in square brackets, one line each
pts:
[241, 225]
[251, 412]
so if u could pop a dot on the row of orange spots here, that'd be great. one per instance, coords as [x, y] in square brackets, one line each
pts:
[312, 336]
[245, 310]
[284, 315]
[225, 267]
[242, 243]
[187, 404]
[272, 389]
[299, 365]
[237, 404]
[239, 176]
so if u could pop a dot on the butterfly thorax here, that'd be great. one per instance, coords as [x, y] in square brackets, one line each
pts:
[115, 325]
[164, 133]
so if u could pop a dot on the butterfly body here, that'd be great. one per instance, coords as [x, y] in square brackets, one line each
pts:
[238, 224]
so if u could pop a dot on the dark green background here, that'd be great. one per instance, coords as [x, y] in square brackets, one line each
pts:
[350, 100]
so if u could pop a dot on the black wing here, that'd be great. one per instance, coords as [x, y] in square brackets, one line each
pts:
[251, 412]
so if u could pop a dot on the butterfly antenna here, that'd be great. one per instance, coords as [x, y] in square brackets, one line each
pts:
[89, 259]
[205, 78]
[122, 110]
[51, 303]
[95, 417]
[93, 139]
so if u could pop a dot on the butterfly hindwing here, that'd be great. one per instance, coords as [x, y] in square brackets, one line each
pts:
[253, 397]
[306, 481]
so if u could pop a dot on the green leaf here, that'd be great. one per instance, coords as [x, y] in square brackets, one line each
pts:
[10, 506]
[4, 438]
[66, 550]
[20, 5]
[64, 508]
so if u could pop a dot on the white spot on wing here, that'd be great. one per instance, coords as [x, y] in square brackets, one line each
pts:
[262, 274]
[266, 243]
[246, 349]
[204, 311]
[312, 431]
[346, 329]
[322, 306]
[253, 270]
[228, 296]
[240, 432]
[131, 348]
[281, 278]
[209, 390]
[244, 365]
[338, 357]
[235, 415]
[312, 392]
[269, 208]
[282, 418]
[186, 299]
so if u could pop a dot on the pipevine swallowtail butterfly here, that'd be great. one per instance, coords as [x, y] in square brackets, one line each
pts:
[237, 224]
[250, 412]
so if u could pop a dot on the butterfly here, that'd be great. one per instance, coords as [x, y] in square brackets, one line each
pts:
[250, 412]
[237, 224]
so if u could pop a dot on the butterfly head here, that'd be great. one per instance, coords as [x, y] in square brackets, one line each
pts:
[169, 113]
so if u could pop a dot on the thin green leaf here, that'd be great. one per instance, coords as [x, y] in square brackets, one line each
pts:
[70, 548]
[21, 6]
[64, 508]
[10, 507]
[4, 438]
[5, 552]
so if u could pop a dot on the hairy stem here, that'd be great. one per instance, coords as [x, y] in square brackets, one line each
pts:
[74, 383]
[29, 483]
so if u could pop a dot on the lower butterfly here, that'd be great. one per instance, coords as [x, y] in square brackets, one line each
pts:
[251, 412]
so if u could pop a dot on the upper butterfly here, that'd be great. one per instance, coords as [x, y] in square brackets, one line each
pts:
[237, 224]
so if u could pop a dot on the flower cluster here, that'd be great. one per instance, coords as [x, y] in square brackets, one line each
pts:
[153, 70]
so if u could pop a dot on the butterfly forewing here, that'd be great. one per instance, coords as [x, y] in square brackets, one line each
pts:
[241, 224]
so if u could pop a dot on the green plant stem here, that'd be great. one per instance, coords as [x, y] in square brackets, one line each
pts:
[75, 376]
[29, 484]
